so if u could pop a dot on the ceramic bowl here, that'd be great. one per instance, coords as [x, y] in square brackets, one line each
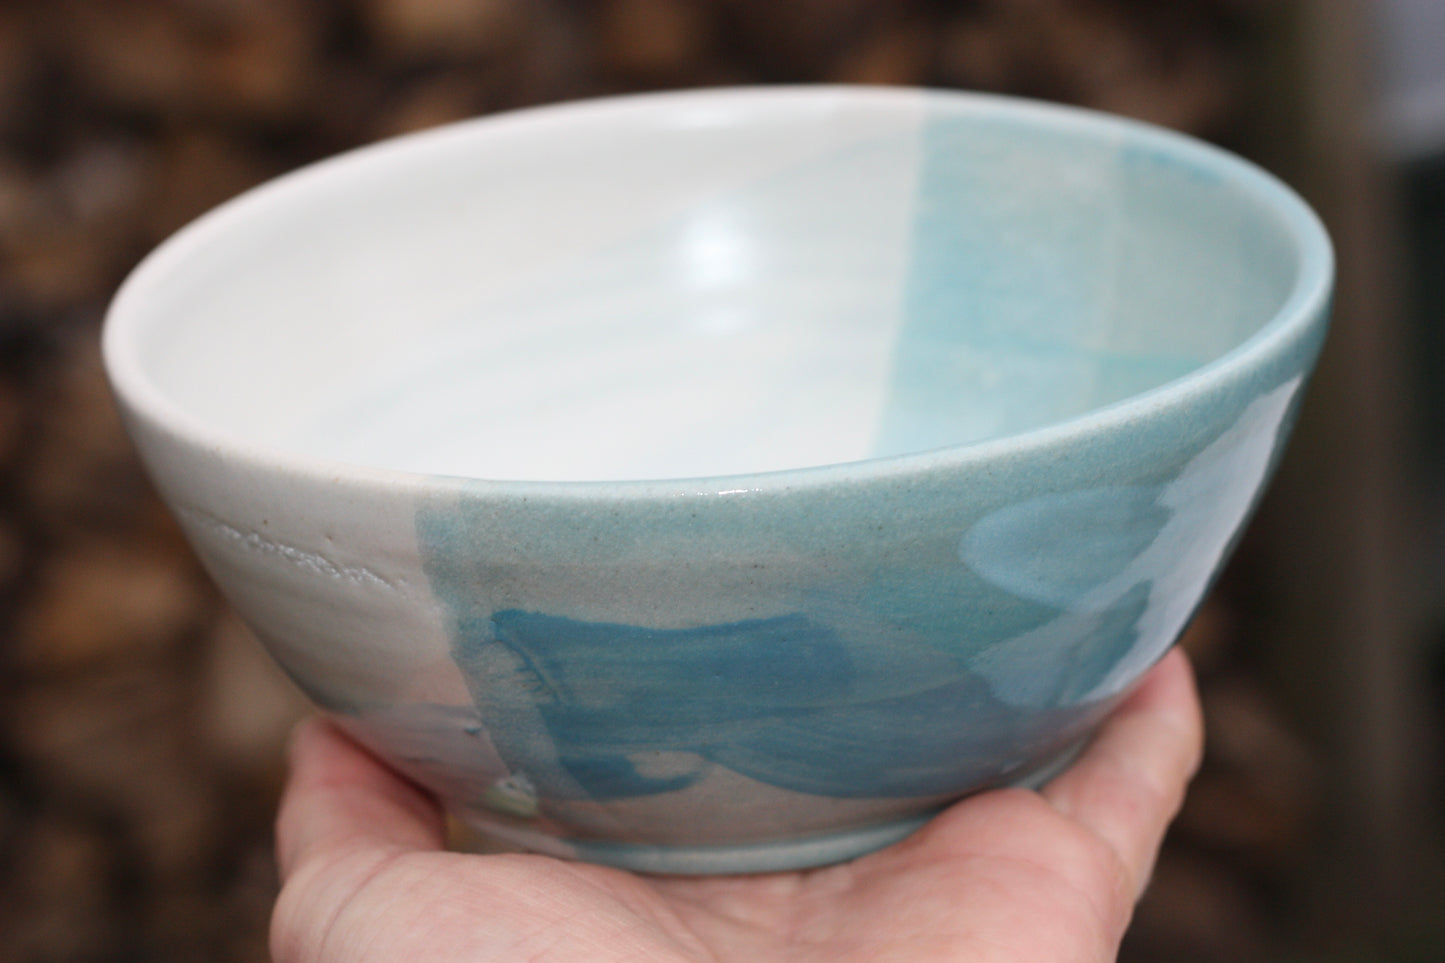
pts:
[726, 481]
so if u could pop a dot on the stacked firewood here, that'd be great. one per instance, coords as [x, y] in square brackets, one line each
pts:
[141, 729]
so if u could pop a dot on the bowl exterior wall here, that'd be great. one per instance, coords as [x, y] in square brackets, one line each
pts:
[697, 680]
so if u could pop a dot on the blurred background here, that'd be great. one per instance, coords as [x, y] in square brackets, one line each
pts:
[141, 728]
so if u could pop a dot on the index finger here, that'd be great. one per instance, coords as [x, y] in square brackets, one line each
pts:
[1129, 783]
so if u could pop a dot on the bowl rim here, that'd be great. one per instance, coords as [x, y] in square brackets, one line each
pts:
[1305, 307]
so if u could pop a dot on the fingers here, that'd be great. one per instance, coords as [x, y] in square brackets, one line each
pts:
[1129, 783]
[339, 797]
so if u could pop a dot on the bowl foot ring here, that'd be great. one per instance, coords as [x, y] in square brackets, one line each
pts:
[763, 857]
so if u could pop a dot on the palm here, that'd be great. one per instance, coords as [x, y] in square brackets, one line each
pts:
[1004, 876]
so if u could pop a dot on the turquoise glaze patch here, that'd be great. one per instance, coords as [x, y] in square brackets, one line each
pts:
[1036, 291]
[922, 673]
[777, 700]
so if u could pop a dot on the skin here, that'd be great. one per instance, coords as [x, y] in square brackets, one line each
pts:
[1009, 875]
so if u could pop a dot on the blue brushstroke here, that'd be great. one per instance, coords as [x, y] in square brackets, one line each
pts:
[778, 700]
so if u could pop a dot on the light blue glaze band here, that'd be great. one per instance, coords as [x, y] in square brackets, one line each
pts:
[937, 621]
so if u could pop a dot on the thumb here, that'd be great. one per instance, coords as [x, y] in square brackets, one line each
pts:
[340, 798]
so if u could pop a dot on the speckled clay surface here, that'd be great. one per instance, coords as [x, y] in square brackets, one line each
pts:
[725, 481]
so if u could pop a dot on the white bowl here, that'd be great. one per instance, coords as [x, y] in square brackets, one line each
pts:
[726, 480]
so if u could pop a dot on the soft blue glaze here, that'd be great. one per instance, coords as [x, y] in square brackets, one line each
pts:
[1029, 297]
[945, 630]
[1004, 274]
[778, 700]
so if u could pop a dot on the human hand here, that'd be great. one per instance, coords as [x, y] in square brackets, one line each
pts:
[1007, 875]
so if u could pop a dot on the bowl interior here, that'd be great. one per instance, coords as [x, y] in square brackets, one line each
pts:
[711, 284]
